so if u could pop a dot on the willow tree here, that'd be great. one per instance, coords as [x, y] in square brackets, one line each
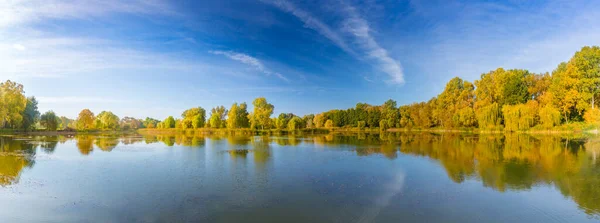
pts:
[496, 89]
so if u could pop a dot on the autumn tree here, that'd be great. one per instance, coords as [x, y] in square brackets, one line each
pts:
[319, 120]
[260, 118]
[454, 106]
[85, 120]
[107, 120]
[12, 104]
[237, 117]
[294, 123]
[193, 118]
[168, 123]
[217, 117]
[150, 123]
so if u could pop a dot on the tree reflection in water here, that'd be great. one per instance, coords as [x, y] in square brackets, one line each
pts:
[502, 162]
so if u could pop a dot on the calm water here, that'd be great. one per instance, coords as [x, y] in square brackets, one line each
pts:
[328, 178]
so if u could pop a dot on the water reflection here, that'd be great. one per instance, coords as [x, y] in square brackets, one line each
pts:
[501, 162]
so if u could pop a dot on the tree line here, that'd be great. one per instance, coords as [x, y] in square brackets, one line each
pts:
[509, 99]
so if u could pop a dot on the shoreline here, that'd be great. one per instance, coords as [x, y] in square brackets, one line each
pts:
[209, 131]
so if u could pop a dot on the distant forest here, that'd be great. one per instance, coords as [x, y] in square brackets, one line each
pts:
[510, 100]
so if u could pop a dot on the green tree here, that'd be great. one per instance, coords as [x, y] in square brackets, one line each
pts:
[237, 117]
[31, 114]
[217, 117]
[107, 120]
[49, 120]
[168, 123]
[260, 118]
[282, 120]
[193, 118]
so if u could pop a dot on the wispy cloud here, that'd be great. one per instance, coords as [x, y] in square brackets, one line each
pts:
[312, 23]
[249, 60]
[359, 29]
[52, 57]
[28, 50]
[19, 12]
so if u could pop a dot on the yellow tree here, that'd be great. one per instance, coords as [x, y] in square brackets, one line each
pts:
[260, 118]
[12, 104]
[85, 120]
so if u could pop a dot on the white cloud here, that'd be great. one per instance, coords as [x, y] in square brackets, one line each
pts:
[312, 23]
[19, 12]
[358, 28]
[249, 60]
[18, 47]
[29, 50]
[55, 57]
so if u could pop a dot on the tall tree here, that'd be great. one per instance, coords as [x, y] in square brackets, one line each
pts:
[260, 118]
[217, 117]
[85, 120]
[31, 114]
[12, 104]
[237, 117]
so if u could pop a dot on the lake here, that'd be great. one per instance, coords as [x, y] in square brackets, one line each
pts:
[391, 177]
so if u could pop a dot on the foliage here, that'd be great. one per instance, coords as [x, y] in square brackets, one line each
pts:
[193, 118]
[217, 117]
[549, 116]
[49, 121]
[107, 120]
[168, 123]
[520, 116]
[150, 123]
[329, 124]
[237, 117]
[592, 116]
[31, 114]
[12, 104]
[295, 123]
[85, 120]
[260, 118]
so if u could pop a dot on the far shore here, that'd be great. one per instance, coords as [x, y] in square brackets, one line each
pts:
[204, 131]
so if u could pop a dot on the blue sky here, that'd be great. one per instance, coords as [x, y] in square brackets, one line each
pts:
[157, 58]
